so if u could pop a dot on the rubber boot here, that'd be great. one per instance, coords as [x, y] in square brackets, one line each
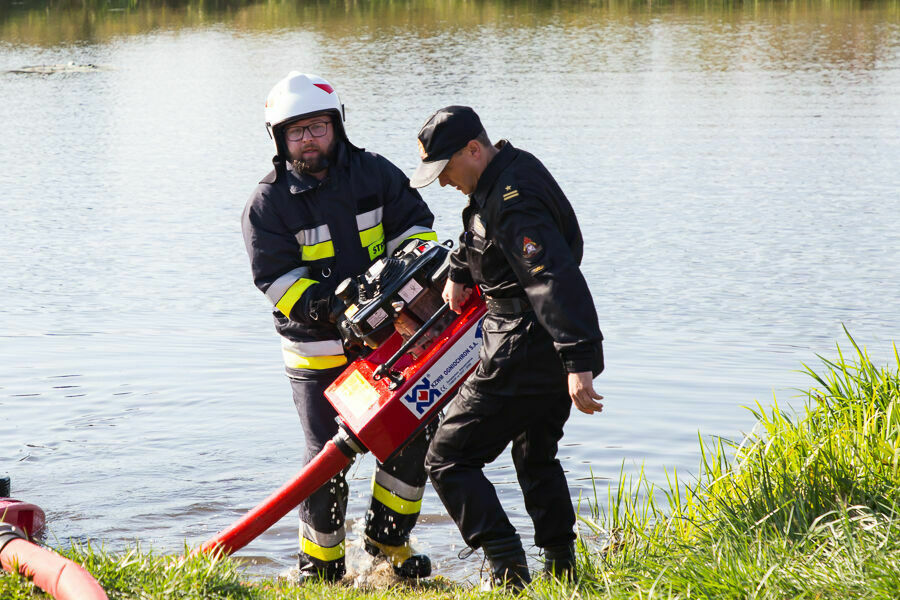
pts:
[559, 562]
[310, 569]
[405, 563]
[509, 567]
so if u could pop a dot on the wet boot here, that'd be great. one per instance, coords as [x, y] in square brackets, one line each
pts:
[405, 563]
[312, 570]
[559, 562]
[509, 567]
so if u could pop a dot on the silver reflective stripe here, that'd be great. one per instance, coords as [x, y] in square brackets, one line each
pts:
[317, 348]
[395, 243]
[311, 237]
[392, 484]
[284, 283]
[369, 219]
[326, 540]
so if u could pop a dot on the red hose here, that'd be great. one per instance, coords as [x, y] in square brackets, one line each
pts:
[319, 470]
[58, 576]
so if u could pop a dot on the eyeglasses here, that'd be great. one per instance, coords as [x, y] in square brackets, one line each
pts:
[296, 133]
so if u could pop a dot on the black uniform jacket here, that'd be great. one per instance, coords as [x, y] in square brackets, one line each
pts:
[522, 240]
[304, 236]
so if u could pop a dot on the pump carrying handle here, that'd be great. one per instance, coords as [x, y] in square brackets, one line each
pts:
[385, 369]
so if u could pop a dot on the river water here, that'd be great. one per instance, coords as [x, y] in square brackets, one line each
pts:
[735, 171]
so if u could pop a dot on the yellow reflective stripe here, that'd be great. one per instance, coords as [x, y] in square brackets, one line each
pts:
[398, 486]
[321, 552]
[295, 361]
[318, 251]
[427, 235]
[367, 237]
[275, 291]
[416, 232]
[395, 502]
[293, 294]
[373, 240]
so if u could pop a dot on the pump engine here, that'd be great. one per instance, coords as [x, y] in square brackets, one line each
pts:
[414, 352]
[397, 294]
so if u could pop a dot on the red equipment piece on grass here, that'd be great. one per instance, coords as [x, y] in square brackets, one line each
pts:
[24, 515]
[415, 353]
[58, 576]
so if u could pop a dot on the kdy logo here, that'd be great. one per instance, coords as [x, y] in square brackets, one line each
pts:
[422, 396]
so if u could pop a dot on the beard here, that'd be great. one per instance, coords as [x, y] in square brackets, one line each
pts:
[319, 163]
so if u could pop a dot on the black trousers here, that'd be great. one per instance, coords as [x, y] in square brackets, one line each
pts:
[476, 428]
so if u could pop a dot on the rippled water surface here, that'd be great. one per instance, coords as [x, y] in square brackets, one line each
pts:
[735, 172]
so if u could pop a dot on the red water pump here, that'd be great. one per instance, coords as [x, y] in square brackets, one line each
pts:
[414, 353]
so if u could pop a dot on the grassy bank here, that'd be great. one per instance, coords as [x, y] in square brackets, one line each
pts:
[805, 507]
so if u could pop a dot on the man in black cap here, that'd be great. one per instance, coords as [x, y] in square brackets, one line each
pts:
[522, 246]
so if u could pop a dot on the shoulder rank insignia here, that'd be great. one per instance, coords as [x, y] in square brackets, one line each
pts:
[510, 193]
[530, 248]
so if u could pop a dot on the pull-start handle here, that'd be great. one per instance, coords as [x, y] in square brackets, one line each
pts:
[385, 369]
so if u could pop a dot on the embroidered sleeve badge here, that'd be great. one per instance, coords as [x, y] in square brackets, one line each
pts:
[530, 248]
[478, 225]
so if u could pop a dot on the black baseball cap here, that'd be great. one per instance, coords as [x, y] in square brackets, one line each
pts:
[445, 133]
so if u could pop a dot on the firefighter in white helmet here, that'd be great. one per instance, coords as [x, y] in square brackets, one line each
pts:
[326, 212]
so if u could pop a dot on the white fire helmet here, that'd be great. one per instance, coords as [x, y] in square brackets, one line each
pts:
[298, 96]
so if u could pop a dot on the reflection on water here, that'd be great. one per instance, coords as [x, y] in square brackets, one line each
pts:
[49, 22]
[734, 168]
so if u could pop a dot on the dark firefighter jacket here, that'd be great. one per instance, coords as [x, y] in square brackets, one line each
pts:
[304, 236]
[522, 240]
